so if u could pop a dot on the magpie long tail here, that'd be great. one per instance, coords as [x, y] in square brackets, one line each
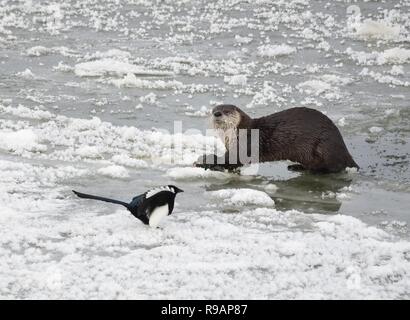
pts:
[90, 196]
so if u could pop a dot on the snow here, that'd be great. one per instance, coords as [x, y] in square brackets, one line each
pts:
[275, 50]
[341, 122]
[111, 66]
[271, 188]
[114, 171]
[100, 138]
[125, 160]
[150, 98]
[82, 255]
[204, 111]
[116, 54]
[38, 51]
[315, 87]
[236, 80]
[88, 152]
[26, 74]
[130, 80]
[19, 141]
[243, 40]
[397, 70]
[377, 29]
[25, 112]
[382, 78]
[396, 55]
[84, 101]
[375, 129]
[240, 197]
[326, 85]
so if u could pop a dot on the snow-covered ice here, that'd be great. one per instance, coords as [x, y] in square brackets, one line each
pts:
[240, 197]
[112, 100]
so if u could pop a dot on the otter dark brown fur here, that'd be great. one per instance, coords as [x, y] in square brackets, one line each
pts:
[301, 135]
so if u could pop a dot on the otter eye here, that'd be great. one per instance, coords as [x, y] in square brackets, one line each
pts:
[226, 112]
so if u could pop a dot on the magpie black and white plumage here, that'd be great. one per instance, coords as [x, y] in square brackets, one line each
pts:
[150, 207]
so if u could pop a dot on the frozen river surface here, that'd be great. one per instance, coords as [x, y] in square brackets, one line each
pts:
[89, 95]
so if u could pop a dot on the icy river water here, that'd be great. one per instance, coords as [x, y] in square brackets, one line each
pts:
[92, 95]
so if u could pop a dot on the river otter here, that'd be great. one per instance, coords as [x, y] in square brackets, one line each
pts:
[302, 135]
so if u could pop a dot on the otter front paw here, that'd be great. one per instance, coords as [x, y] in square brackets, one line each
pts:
[232, 167]
[215, 163]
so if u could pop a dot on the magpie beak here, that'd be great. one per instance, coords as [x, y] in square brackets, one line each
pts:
[150, 207]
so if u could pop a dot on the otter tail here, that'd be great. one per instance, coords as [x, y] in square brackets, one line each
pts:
[89, 196]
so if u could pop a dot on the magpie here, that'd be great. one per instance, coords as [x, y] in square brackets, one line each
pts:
[150, 207]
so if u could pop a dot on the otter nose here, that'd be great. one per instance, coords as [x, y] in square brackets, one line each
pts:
[217, 114]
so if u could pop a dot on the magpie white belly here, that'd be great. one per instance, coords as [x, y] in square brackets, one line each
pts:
[157, 215]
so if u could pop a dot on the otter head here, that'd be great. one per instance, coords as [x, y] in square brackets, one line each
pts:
[226, 116]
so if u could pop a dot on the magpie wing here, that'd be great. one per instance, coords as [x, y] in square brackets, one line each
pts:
[141, 205]
[137, 201]
[152, 192]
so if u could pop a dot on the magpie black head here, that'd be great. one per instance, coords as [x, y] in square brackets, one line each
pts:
[175, 188]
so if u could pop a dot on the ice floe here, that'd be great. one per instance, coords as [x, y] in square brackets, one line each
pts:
[108, 66]
[299, 256]
[271, 50]
[21, 141]
[395, 55]
[240, 197]
[377, 29]
[99, 140]
[114, 171]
